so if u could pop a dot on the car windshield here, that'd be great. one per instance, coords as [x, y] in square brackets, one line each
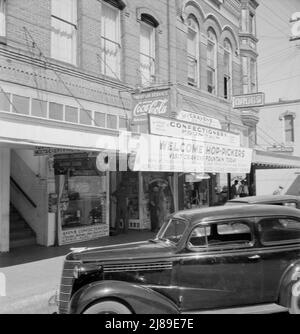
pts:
[172, 231]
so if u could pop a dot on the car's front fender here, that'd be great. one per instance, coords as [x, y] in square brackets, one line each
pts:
[140, 300]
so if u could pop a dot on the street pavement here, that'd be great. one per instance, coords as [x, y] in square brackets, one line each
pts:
[33, 273]
[29, 286]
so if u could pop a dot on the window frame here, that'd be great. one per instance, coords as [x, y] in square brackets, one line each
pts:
[275, 243]
[74, 47]
[221, 247]
[228, 76]
[152, 56]
[213, 69]
[195, 58]
[116, 73]
[292, 130]
[253, 75]
[3, 22]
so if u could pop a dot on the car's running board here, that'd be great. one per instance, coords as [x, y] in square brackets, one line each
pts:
[257, 309]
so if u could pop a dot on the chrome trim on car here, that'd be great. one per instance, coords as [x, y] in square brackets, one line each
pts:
[66, 284]
[138, 267]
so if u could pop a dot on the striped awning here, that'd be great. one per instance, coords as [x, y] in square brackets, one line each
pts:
[271, 160]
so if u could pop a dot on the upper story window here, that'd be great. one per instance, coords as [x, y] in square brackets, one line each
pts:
[2, 18]
[245, 75]
[193, 51]
[252, 24]
[253, 77]
[289, 128]
[64, 30]
[147, 49]
[227, 69]
[248, 22]
[111, 39]
[212, 62]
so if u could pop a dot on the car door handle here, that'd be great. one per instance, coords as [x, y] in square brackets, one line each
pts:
[254, 258]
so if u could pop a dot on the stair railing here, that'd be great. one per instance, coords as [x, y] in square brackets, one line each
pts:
[13, 181]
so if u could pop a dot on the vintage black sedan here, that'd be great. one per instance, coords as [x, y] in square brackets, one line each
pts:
[202, 260]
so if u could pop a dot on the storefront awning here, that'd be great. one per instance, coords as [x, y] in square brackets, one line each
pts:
[270, 160]
[30, 133]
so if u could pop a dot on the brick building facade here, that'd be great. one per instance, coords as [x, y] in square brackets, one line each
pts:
[69, 68]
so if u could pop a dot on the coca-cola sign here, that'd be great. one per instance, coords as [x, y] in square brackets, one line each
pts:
[150, 103]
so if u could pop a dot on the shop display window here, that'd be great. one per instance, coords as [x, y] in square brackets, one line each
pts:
[83, 201]
[196, 193]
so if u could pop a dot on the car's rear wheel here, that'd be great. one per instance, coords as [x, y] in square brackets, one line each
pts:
[108, 307]
[295, 299]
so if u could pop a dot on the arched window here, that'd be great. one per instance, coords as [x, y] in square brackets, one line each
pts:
[193, 51]
[2, 18]
[148, 27]
[111, 38]
[227, 69]
[211, 61]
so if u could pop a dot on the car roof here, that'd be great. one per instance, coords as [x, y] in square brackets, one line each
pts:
[266, 199]
[234, 212]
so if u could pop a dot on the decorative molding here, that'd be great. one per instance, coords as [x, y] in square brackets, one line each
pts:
[287, 113]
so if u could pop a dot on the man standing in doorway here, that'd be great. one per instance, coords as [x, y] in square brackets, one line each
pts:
[122, 210]
[235, 189]
[154, 208]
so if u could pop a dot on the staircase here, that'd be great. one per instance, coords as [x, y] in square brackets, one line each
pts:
[20, 233]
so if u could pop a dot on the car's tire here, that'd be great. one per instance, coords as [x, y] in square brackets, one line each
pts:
[295, 298]
[107, 307]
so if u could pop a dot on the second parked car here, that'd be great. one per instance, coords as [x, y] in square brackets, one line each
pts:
[283, 200]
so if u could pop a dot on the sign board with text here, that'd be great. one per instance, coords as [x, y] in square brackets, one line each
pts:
[191, 117]
[154, 102]
[167, 154]
[86, 233]
[248, 101]
[171, 127]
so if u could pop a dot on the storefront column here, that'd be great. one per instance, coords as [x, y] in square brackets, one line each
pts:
[5, 198]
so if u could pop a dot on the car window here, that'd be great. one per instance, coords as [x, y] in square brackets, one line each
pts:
[174, 230]
[233, 228]
[223, 234]
[231, 233]
[279, 230]
[199, 236]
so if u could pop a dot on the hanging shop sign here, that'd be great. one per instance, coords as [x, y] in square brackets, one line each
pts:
[179, 129]
[42, 151]
[248, 100]
[194, 118]
[166, 154]
[154, 102]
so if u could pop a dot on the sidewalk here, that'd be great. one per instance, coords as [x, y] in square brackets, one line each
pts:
[33, 273]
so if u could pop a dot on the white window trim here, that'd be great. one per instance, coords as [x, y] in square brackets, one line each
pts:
[75, 42]
[104, 69]
[152, 55]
